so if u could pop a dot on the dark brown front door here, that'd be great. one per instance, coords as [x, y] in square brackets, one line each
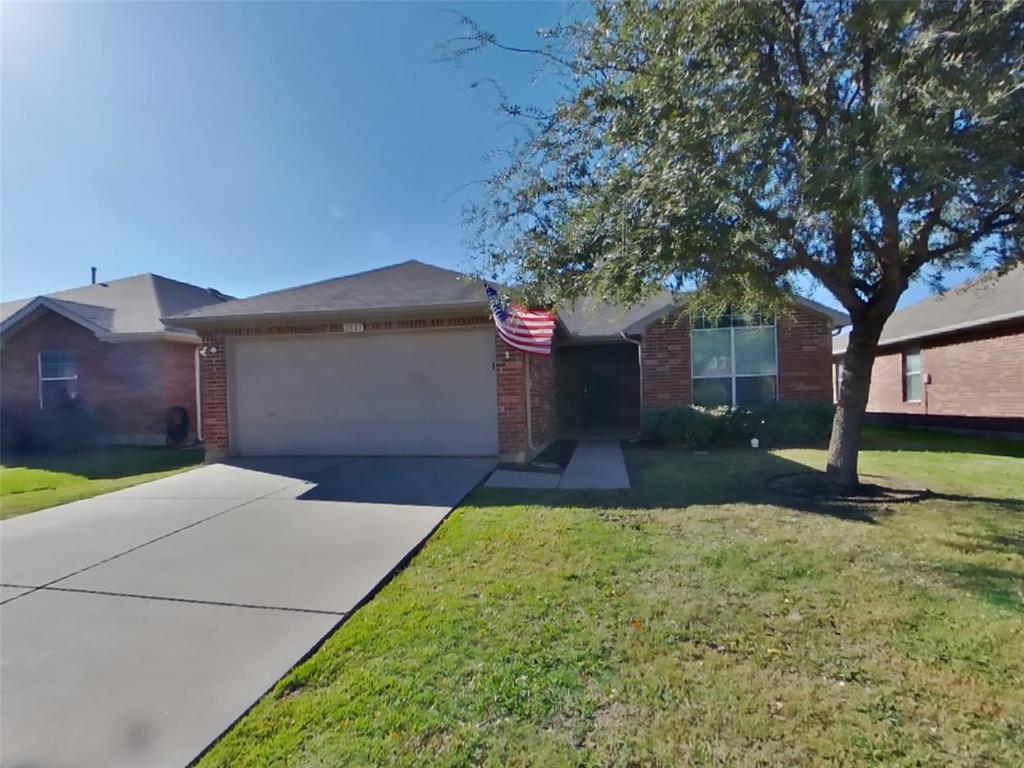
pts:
[599, 388]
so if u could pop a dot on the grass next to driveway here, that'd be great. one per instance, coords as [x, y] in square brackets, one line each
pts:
[30, 483]
[693, 620]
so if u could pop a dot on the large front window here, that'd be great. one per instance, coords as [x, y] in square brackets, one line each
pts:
[734, 360]
[58, 378]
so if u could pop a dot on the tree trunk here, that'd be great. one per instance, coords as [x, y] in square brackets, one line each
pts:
[844, 445]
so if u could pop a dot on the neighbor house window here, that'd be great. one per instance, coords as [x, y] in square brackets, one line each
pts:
[734, 360]
[913, 387]
[58, 378]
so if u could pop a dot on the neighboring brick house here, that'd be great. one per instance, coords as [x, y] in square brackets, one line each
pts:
[955, 360]
[405, 360]
[102, 348]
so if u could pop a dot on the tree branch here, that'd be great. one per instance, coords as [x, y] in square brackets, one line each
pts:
[800, 59]
[842, 289]
[991, 224]
[919, 243]
[477, 39]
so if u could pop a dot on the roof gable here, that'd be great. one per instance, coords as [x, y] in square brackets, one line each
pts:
[118, 309]
[410, 285]
[92, 318]
[589, 318]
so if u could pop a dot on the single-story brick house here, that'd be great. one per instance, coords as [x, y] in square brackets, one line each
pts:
[103, 347]
[405, 360]
[954, 360]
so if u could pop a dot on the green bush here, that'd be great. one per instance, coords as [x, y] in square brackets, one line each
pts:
[774, 425]
[69, 428]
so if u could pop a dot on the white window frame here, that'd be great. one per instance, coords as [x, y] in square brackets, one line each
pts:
[39, 364]
[919, 373]
[732, 356]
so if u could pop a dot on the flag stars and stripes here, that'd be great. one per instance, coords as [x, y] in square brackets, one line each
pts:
[528, 330]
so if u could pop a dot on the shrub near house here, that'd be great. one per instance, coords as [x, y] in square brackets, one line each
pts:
[774, 426]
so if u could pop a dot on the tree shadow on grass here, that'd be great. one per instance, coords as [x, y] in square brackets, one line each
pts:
[108, 463]
[1000, 503]
[996, 542]
[999, 587]
[667, 478]
[671, 478]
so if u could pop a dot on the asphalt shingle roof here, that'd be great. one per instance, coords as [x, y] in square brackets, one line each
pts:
[409, 285]
[983, 301]
[129, 305]
[599, 319]
[589, 318]
[413, 285]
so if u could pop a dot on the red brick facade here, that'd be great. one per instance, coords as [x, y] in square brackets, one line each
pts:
[513, 440]
[213, 382]
[804, 343]
[977, 374]
[665, 367]
[804, 340]
[511, 382]
[804, 363]
[543, 412]
[132, 384]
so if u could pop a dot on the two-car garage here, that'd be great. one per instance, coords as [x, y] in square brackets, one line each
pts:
[396, 361]
[418, 392]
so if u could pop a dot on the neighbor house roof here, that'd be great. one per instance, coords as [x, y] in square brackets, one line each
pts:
[407, 287]
[594, 320]
[987, 300]
[118, 310]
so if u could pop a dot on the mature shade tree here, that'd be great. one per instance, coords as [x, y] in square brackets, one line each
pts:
[743, 146]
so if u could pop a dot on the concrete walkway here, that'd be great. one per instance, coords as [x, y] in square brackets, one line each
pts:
[596, 465]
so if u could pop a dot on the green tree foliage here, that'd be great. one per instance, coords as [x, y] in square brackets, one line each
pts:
[742, 146]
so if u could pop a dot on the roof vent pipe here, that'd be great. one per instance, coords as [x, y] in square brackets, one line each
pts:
[93, 275]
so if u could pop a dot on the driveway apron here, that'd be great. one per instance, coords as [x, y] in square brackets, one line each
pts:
[135, 627]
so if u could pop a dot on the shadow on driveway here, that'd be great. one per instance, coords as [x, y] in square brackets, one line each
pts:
[407, 480]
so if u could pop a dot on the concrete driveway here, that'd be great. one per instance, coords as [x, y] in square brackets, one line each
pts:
[135, 627]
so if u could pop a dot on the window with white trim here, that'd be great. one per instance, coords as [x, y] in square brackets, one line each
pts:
[734, 360]
[58, 378]
[913, 385]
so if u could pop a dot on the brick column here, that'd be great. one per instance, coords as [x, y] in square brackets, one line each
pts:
[213, 373]
[509, 365]
[543, 414]
[805, 356]
[665, 356]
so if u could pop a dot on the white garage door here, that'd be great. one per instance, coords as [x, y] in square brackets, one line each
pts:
[421, 393]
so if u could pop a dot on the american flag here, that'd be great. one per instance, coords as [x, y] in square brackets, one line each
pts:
[526, 329]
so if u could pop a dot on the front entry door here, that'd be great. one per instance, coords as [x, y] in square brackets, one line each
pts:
[599, 388]
[601, 394]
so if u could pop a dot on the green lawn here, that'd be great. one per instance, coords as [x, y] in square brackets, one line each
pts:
[693, 620]
[29, 483]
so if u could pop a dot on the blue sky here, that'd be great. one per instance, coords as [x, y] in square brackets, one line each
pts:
[245, 146]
